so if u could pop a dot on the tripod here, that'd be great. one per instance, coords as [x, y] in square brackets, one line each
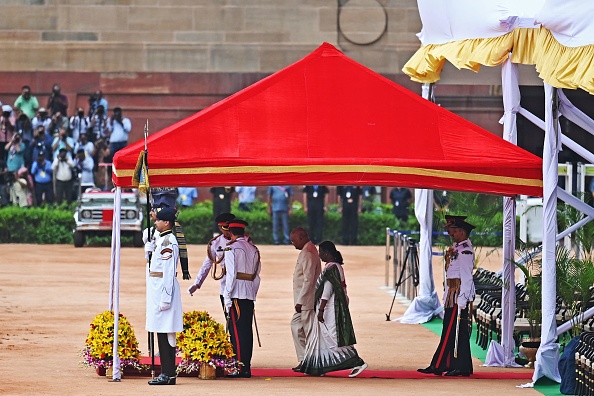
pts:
[411, 258]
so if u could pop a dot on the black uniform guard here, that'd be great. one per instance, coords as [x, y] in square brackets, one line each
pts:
[453, 352]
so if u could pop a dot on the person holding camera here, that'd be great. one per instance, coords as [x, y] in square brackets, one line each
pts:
[57, 102]
[119, 128]
[15, 158]
[6, 130]
[39, 144]
[62, 167]
[83, 169]
[79, 124]
[100, 156]
[24, 128]
[96, 100]
[42, 119]
[58, 122]
[42, 172]
[83, 143]
[20, 191]
[99, 125]
[63, 141]
[26, 103]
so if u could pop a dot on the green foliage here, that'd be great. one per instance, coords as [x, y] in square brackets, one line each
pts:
[575, 278]
[55, 224]
[532, 269]
[584, 236]
[484, 211]
[198, 223]
[35, 225]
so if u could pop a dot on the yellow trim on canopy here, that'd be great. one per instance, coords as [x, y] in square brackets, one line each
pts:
[341, 169]
[558, 65]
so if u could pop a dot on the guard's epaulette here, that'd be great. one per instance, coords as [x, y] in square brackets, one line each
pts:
[466, 252]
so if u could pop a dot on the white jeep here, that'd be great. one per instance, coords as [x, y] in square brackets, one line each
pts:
[94, 215]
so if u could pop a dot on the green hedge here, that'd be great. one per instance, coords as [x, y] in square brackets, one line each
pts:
[54, 225]
[36, 225]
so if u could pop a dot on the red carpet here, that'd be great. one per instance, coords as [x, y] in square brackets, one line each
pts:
[388, 374]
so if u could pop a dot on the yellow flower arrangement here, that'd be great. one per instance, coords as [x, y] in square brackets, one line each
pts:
[204, 340]
[99, 343]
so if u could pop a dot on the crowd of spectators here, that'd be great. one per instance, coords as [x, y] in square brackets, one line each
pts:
[47, 156]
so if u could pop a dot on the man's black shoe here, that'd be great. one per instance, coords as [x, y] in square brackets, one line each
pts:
[427, 370]
[243, 374]
[162, 380]
[457, 373]
[297, 368]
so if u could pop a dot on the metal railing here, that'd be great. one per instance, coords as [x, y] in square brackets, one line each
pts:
[404, 262]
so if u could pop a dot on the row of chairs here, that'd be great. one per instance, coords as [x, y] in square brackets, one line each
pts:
[487, 304]
[488, 308]
[584, 365]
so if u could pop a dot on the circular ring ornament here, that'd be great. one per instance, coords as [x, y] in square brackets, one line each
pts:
[362, 22]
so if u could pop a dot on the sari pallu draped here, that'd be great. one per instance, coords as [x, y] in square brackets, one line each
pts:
[330, 347]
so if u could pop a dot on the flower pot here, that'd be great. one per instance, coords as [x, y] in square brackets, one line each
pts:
[207, 372]
[529, 348]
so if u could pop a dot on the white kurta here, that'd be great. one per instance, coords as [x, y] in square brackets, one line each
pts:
[164, 289]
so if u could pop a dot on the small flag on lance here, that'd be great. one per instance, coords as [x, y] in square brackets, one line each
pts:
[141, 174]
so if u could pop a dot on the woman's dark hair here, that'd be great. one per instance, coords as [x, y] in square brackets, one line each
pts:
[329, 247]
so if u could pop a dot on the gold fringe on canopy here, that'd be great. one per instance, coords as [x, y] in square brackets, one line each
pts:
[558, 65]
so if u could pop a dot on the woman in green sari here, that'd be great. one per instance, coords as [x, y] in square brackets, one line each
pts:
[331, 345]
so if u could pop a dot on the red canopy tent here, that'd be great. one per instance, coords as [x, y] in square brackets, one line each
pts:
[328, 119]
[325, 119]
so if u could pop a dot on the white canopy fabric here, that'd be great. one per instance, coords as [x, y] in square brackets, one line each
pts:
[114, 287]
[447, 21]
[570, 21]
[556, 36]
[511, 107]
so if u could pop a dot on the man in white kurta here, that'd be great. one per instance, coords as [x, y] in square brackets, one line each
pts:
[164, 314]
[215, 256]
[306, 273]
[242, 263]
